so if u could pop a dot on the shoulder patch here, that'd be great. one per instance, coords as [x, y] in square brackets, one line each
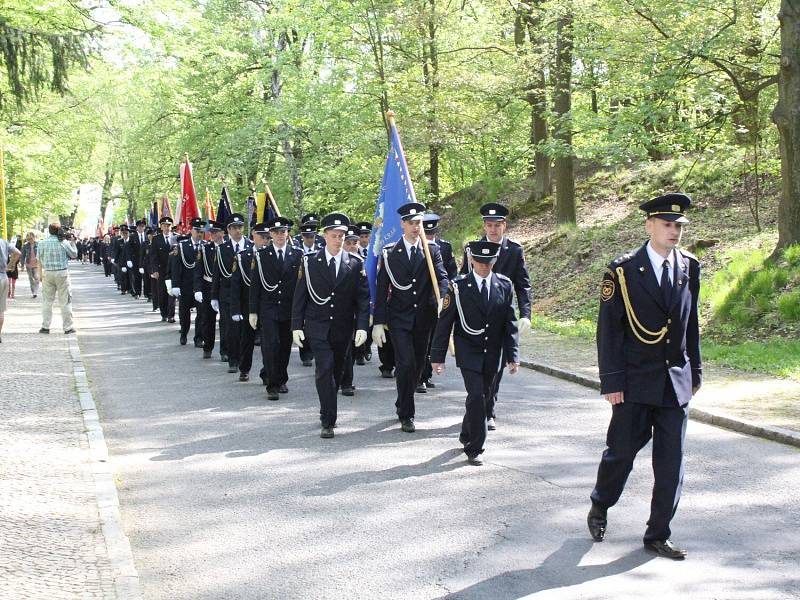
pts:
[689, 255]
[607, 289]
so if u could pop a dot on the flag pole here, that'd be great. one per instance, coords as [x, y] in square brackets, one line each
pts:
[426, 250]
[3, 192]
[270, 198]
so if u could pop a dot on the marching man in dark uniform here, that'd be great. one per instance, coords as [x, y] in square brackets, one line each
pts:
[203, 278]
[309, 242]
[331, 298]
[479, 311]
[124, 259]
[363, 353]
[351, 240]
[229, 330]
[138, 239]
[241, 282]
[159, 258]
[405, 304]
[187, 253]
[648, 346]
[271, 292]
[511, 263]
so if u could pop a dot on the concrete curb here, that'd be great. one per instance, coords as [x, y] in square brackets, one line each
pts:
[768, 432]
[126, 578]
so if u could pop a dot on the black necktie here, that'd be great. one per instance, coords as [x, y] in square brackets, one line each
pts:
[332, 266]
[485, 293]
[666, 286]
[280, 257]
[414, 257]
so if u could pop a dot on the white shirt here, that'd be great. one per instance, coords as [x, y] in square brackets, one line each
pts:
[658, 263]
[281, 248]
[479, 281]
[337, 258]
[238, 246]
[409, 246]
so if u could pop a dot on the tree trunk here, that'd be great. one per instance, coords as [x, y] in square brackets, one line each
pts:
[292, 155]
[105, 198]
[787, 117]
[562, 104]
[430, 73]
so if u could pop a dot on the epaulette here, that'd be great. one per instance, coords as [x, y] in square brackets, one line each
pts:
[389, 246]
[501, 276]
[513, 242]
[622, 259]
[445, 243]
[689, 255]
[459, 277]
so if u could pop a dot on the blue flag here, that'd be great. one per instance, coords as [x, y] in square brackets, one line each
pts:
[224, 210]
[154, 216]
[396, 190]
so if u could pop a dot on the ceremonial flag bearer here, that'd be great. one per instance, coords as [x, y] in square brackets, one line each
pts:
[648, 346]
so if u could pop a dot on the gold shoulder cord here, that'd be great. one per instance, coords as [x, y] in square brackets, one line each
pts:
[636, 326]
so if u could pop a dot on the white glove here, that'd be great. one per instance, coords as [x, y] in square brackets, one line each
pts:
[198, 297]
[524, 324]
[176, 292]
[112, 260]
[361, 337]
[379, 335]
[130, 264]
[124, 270]
[141, 271]
[236, 318]
[253, 319]
[215, 305]
[297, 337]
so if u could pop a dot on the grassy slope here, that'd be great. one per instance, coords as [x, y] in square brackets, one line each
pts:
[750, 308]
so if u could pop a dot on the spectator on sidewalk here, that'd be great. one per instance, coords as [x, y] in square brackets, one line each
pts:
[30, 259]
[9, 256]
[13, 270]
[54, 252]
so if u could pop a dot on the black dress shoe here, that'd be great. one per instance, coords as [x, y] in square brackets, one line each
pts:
[597, 521]
[223, 358]
[349, 391]
[326, 433]
[198, 343]
[272, 395]
[407, 425]
[44, 330]
[360, 361]
[206, 353]
[244, 376]
[283, 389]
[306, 363]
[421, 389]
[183, 340]
[368, 356]
[232, 368]
[475, 461]
[490, 424]
[171, 320]
[163, 319]
[430, 385]
[666, 549]
[386, 374]
[70, 330]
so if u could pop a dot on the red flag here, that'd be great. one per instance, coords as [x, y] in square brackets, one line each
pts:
[189, 209]
[210, 207]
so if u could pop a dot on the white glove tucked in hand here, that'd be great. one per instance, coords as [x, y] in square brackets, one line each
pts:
[237, 318]
[361, 337]
[112, 260]
[141, 271]
[176, 292]
[253, 318]
[298, 337]
[130, 264]
[524, 324]
[379, 335]
[215, 305]
[124, 270]
[198, 297]
[168, 285]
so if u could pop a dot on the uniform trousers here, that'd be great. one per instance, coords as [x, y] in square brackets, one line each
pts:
[329, 357]
[632, 426]
[386, 354]
[136, 281]
[410, 360]
[473, 426]
[276, 348]
[228, 333]
[349, 362]
[166, 303]
[185, 304]
[208, 322]
[241, 340]
[306, 353]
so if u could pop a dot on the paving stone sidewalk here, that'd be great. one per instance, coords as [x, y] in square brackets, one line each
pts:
[51, 540]
[740, 395]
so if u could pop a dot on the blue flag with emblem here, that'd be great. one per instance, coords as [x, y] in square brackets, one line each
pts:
[396, 190]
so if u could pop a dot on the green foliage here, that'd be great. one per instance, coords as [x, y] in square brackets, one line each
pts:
[777, 356]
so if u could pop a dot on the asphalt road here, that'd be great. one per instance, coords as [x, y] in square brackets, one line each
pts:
[226, 495]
